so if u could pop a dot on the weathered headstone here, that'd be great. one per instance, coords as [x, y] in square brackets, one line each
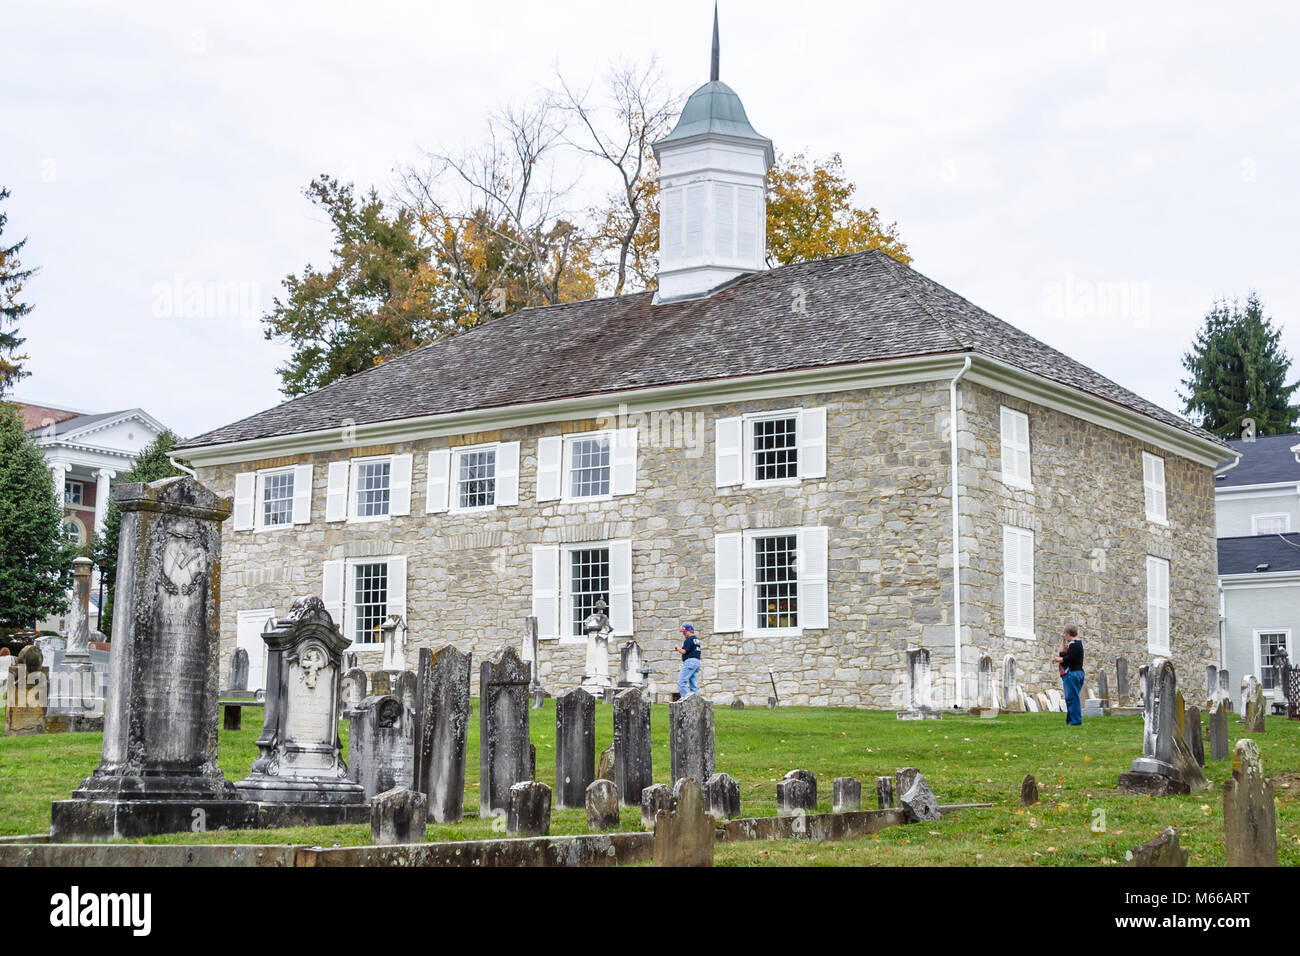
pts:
[690, 738]
[575, 747]
[1144, 683]
[528, 808]
[916, 687]
[299, 755]
[503, 728]
[846, 796]
[1225, 688]
[381, 746]
[684, 832]
[629, 665]
[441, 728]
[531, 655]
[406, 692]
[353, 689]
[737, 704]
[74, 686]
[596, 626]
[398, 816]
[1189, 771]
[722, 797]
[633, 764]
[919, 803]
[656, 797]
[1162, 851]
[904, 777]
[1154, 772]
[160, 724]
[239, 670]
[1192, 733]
[26, 693]
[884, 792]
[985, 696]
[380, 683]
[1031, 703]
[1217, 726]
[1028, 791]
[1249, 814]
[393, 630]
[1010, 684]
[1211, 683]
[1287, 685]
[605, 765]
[796, 792]
[1123, 696]
[601, 802]
[1254, 707]
[1103, 685]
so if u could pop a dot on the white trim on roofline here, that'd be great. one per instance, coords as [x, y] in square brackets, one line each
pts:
[839, 378]
[1268, 490]
[1259, 579]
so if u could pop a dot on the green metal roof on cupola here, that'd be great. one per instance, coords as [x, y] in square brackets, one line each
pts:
[715, 109]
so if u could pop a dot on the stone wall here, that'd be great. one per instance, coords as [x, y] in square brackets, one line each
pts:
[885, 501]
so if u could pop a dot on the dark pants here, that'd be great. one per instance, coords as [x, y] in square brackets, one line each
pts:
[1072, 681]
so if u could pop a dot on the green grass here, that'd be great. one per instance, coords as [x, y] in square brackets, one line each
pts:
[966, 760]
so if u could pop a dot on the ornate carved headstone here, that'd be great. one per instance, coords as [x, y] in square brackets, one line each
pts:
[1154, 772]
[690, 738]
[381, 745]
[916, 687]
[796, 792]
[575, 747]
[1249, 814]
[596, 626]
[633, 764]
[299, 755]
[441, 729]
[1288, 683]
[503, 728]
[1010, 685]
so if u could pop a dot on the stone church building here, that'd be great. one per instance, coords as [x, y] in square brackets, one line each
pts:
[819, 465]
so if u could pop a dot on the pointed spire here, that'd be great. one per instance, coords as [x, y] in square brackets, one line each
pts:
[713, 68]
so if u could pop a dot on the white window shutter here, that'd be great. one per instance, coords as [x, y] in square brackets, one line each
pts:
[550, 452]
[336, 492]
[1008, 450]
[812, 443]
[439, 481]
[508, 473]
[620, 587]
[814, 595]
[729, 438]
[332, 593]
[396, 603]
[399, 486]
[245, 495]
[728, 583]
[302, 494]
[1018, 581]
[623, 457]
[546, 590]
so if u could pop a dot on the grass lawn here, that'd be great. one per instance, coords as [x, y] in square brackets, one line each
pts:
[966, 759]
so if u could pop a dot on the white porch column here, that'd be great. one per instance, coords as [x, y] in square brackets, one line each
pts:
[102, 478]
[59, 478]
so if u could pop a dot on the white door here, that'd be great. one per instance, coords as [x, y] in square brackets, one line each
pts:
[248, 635]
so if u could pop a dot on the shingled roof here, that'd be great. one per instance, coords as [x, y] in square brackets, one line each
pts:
[1281, 552]
[1264, 461]
[862, 307]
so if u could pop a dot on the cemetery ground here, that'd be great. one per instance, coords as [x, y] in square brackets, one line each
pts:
[966, 759]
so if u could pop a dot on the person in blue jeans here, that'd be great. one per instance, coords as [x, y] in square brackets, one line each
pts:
[1070, 660]
[688, 681]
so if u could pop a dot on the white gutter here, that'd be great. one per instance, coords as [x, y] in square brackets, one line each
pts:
[1227, 468]
[956, 530]
[177, 465]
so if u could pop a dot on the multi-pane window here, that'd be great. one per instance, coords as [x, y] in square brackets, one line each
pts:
[1270, 642]
[369, 601]
[277, 498]
[1015, 448]
[476, 478]
[72, 531]
[1271, 524]
[776, 581]
[589, 467]
[72, 492]
[1157, 605]
[774, 448]
[588, 583]
[1153, 486]
[373, 488]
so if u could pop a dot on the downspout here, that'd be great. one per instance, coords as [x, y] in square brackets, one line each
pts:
[179, 467]
[956, 530]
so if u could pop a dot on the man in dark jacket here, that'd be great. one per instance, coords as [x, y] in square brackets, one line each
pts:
[688, 681]
[1070, 660]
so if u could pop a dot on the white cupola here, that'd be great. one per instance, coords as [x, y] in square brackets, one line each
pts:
[712, 192]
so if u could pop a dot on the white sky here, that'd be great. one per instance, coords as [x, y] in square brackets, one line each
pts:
[1096, 177]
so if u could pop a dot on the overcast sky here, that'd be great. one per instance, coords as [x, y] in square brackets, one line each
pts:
[1095, 176]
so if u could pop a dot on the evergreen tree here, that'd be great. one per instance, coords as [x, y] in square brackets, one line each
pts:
[1237, 373]
[12, 278]
[35, 557]
[153, 463]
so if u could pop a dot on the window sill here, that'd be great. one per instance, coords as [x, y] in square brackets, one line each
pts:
[774, 483]
[482, 509]
[1020, 635]
[272, 528]
[1017, 484]
[579, 501]
[353, 519]
[1160, 522]
[755, 633]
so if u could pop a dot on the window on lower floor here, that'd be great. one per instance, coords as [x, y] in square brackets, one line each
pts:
[588, 582]
[72, 531]
[772, 582]
[369, 601]
[775, 597]
[1270, 642]
[570, 579]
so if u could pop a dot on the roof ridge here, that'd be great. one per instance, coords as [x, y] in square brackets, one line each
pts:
[892, 265]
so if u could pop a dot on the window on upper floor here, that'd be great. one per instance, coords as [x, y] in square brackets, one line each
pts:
[1270, 523]
[1015, 448]
[373, 488]
[473, 478]
[273, 498]
[73, 492]
[476, 477]
[1157, 605]
[1153, 487]
[587, 465]
[771, 448]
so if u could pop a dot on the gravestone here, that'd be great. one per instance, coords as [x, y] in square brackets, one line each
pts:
[393, 630]
[985, 695]
[531, 655]
[1288, 684]
[381, 746]
[1217, 725]
[737, 704]
[605, 765]
[656, 797]
[353, 690]
[575, 747]
[380, 683]
[74, 685]
[1162, 851]
[596, 626]
[1211, 683]
[1144, 683]
[885, 792]
[601, 802]
[629, 665]
[795, 793]
[1031, 703]
[1122, 694]
[919, 803]
[528, 808]
[406, 692]
[160, 722]
[684, 832]
[722, 797]
[1103, 685]
[1189, 771]
[26, 693]
[904, 777]
[1028, 791]
[1010, 685]
[633, 764]
[846, 796]
[1154, 772]
[1254, 707]
[398, 816]
[503, 728]
[299, 755]
[239, 671]
[442, 717]
[1225, 688]
[1249, 814]
[690, 738]
[1056, 700]
[1192, 733]
[916, 687]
